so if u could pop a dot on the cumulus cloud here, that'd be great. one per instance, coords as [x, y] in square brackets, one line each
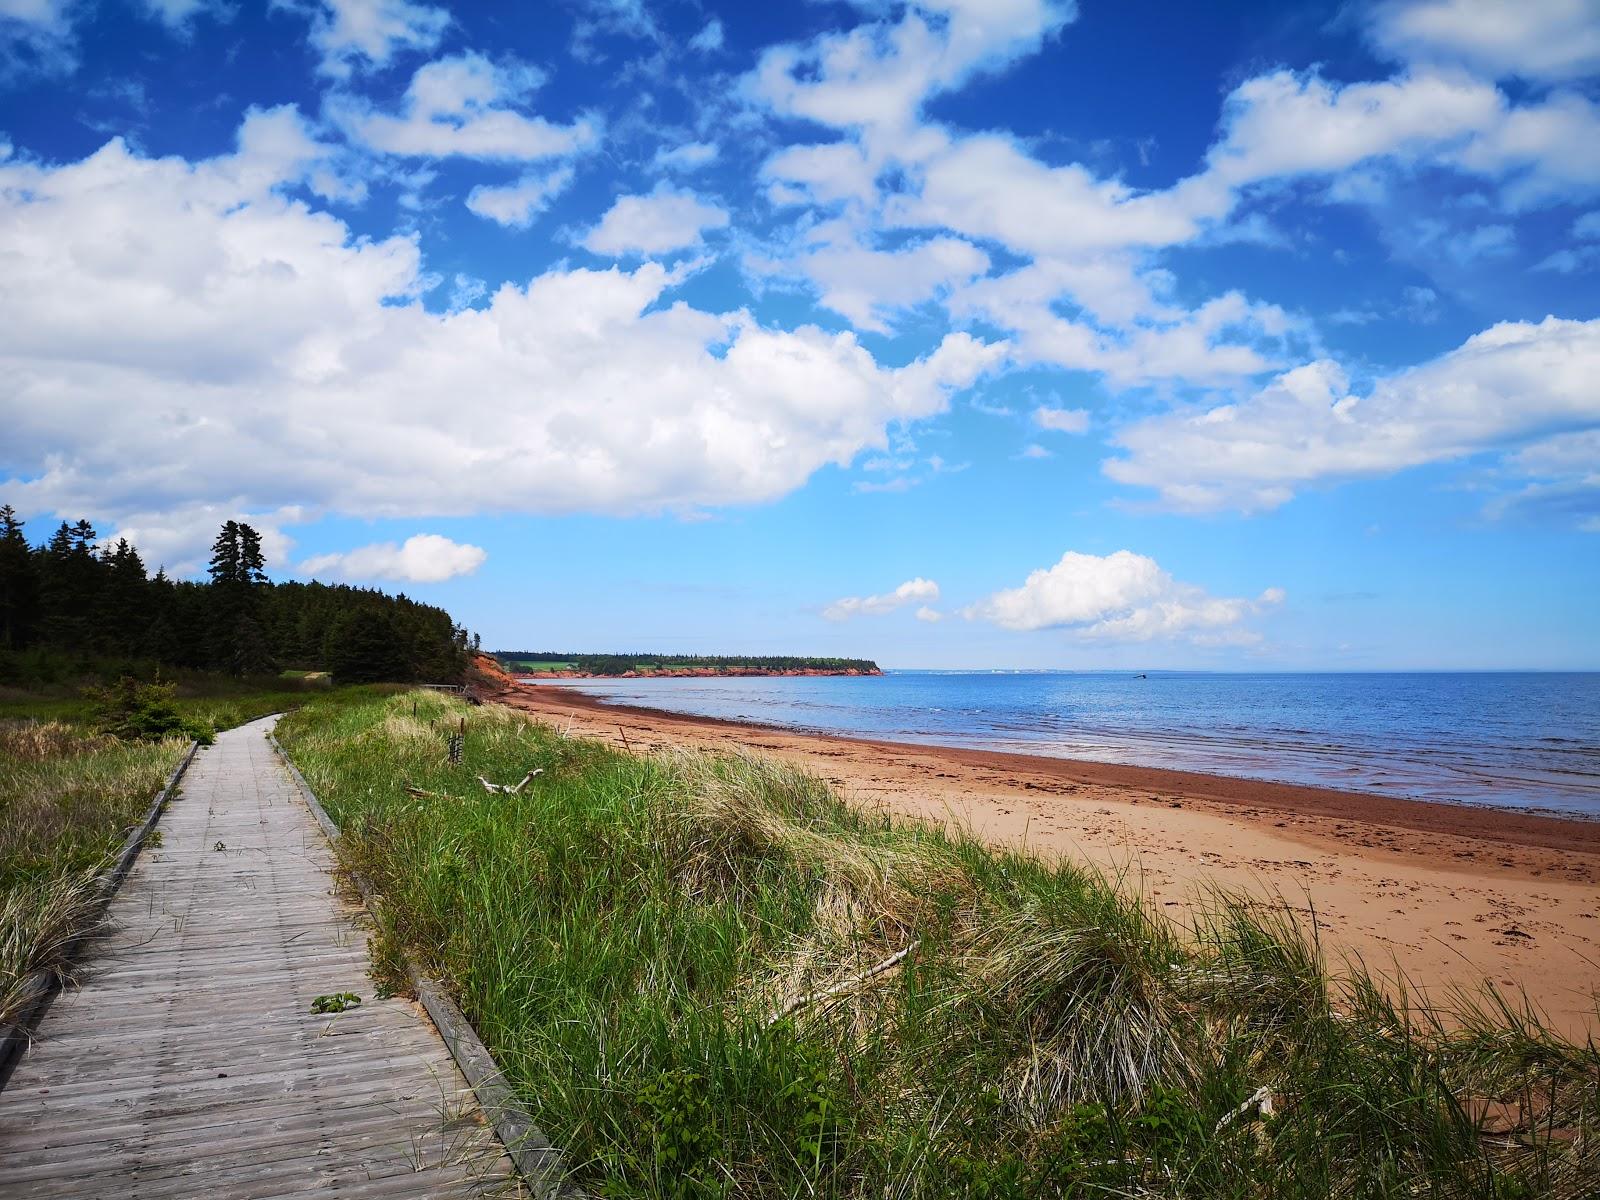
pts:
[177, 333]
[517, 204]
[878, 74]
[353, 33]
[1511, 383]
[665, 220]
[1089, 293]
[913, 591]
[1123, 597]
[467, 106]
[1062, 420]
[1534, 39]
[870, 286]
[421, 558]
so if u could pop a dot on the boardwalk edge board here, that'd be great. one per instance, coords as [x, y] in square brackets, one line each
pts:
[41, 987]
[538, 1162]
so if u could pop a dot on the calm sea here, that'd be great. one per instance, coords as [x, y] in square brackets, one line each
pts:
[1511, 740]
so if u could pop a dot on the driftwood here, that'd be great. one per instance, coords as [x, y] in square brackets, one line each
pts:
[1260, 1101]
[854, 981]
[510, 789]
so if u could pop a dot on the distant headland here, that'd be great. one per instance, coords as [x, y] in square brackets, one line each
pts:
[556, 665]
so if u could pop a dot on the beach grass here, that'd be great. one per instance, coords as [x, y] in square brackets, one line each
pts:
[710, 976]
[69, 795]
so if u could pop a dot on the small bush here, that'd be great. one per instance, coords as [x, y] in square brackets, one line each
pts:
[144, 712]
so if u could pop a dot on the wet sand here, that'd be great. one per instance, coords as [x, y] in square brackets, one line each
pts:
[1451, 895]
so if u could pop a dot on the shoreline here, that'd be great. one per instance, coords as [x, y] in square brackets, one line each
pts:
[1538, 827]
[1448, 895]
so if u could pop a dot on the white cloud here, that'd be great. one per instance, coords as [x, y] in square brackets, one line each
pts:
[1091, 294]
[421, 558]
[36, 37]
[665, 220]
[1532, 148]
[912, 591]
[1226, 339]
[177, 14]
[930, 615]
[690, 156]
[176, 334]
[517, 204]
[1512, 382]
[351, 33]
[1062, 420]
[51, 13]
[177, 538]
[709, 39]
[825, 175]
[1120, 597]
[1290, 123]
[877, 75]
[1535, 39]
[870, 286]
[468, 106]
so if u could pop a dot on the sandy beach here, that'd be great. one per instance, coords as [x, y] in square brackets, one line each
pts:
[1451, 895]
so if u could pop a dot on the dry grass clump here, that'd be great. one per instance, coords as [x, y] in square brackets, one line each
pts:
[67, 800]
[38, 922]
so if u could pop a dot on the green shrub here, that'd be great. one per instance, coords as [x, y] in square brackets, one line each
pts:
[144, 712]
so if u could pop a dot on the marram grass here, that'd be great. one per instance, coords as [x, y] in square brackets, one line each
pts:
[67, 800]
[711, 977]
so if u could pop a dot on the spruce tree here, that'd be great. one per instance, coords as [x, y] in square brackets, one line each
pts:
[19, 584]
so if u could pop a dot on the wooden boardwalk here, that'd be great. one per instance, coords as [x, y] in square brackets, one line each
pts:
[188, 1063]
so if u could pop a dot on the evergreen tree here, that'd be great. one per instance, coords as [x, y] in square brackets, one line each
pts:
[252, 564]
[71, 599]
[124, 612]
[19, 584]
[238, 575]
[251, 654]
[225, 567]
[69, 587]
[362, 648]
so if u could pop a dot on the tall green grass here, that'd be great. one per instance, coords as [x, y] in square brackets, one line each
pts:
[68, 798]
[680, 961]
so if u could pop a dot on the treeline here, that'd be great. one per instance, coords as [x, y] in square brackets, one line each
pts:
[68, 604]
[618, 664]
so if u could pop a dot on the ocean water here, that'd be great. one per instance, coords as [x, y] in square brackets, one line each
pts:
[1510, 740]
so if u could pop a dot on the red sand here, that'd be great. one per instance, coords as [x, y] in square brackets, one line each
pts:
[1452, 895]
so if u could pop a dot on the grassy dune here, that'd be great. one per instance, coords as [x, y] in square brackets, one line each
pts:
[711, 977]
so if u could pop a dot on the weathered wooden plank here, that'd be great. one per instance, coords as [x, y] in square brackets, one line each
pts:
[186, 1062]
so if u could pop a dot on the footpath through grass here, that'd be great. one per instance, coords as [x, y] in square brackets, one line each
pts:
[711, 977]
[68, 797]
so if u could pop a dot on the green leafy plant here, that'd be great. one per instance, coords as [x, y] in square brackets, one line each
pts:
[335, 1002]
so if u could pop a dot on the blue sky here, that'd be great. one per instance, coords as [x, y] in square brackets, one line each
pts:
[965, 333]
